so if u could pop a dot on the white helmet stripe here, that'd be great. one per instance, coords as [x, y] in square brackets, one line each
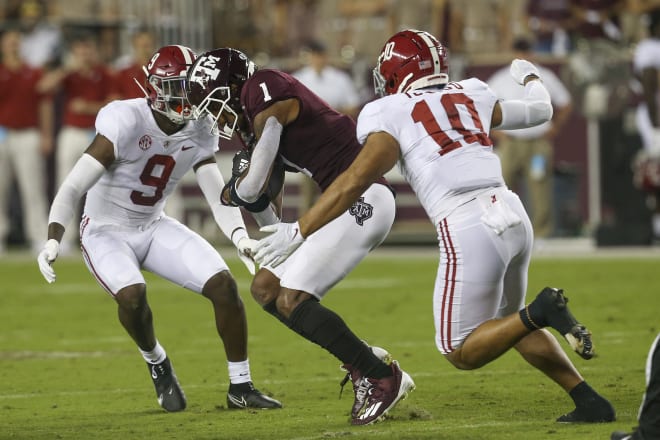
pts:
[186, 54]
[434, 53]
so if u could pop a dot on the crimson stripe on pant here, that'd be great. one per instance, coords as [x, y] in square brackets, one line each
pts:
[450, 284]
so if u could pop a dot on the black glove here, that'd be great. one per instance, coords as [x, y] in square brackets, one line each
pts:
[234, 200]
[240, 163]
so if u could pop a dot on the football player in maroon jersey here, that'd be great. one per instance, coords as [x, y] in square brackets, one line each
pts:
[294, 127]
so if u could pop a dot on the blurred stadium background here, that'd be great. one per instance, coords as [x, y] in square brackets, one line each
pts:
[594, 197]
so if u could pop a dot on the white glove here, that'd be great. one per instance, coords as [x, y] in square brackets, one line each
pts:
[275, 248]
[521, 69]
[245, 248]
[499, 217]
[46, 257]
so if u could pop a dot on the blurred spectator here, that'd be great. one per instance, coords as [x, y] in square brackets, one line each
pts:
[42, 41]
[484, 27]
[334, 86]
[548, 21]
[597, 19]
[26, 124]
[527, 154]
[129, 67]
[646, 64]
[86, 86]
[599, 65]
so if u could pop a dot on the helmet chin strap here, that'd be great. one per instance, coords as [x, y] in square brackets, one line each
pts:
[146, 95]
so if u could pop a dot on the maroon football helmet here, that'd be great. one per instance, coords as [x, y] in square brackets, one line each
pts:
[214, 87]
[410, 60]
[165, 84]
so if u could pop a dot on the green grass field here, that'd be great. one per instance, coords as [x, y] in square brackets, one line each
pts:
[69, 371]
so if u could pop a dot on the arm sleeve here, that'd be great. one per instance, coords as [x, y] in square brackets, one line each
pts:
[535, 108]
[228, 218]
[250, 187]
[82, 177]
[266, 217]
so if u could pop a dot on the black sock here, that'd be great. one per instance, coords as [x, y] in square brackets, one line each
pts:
[271, 308]
[532, 316]
[587, 399]
[325, 328]
[582, 394]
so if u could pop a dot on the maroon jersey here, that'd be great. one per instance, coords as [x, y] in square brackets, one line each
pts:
[320, 143]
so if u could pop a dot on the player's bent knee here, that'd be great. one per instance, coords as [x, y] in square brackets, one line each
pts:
[288, 300]
[221, 289]
[265, 287]
[132, 297]
[461, 362]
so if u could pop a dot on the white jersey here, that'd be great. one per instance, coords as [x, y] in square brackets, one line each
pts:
[148, 163]
[446, 153]
[647, 55]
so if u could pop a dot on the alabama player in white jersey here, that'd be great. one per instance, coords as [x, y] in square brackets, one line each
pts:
[142, 148]
[437, 132]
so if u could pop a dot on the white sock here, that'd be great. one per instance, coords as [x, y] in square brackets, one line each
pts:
[155, 356]
[239, 372]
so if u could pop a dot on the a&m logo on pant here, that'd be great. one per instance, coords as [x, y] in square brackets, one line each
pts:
[361, 210]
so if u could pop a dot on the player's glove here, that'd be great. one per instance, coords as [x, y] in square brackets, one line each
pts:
[499, 217]
[46, 258]
[240, 163]
[521, 69]
[245, 247]
[273, 249]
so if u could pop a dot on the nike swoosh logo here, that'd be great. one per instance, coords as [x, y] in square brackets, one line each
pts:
[238, 402]
[187, 148]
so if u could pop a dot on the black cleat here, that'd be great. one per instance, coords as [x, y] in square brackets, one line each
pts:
[597, 410]
[245, 395]
[169, 392]
[618, 435]
[557, 316]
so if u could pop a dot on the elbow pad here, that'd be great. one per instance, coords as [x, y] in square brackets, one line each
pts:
[235, 200]
[534, 109]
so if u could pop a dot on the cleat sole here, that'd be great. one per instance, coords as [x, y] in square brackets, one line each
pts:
[580, 341]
